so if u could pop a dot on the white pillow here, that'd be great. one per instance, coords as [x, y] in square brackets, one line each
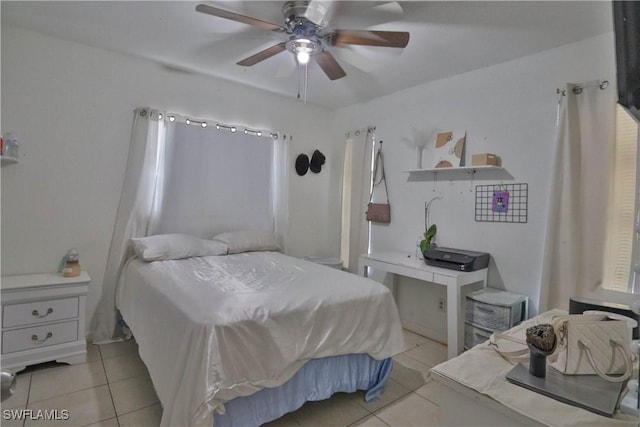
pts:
[175, 246]
[248, 240]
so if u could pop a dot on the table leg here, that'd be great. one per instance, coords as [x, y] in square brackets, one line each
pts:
[453, 316]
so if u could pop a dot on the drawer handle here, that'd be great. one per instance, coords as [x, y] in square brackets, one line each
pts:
[36, 313]
[35, 337]
[486, 310]
[476, 334]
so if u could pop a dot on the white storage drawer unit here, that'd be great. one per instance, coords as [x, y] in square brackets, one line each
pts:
[490, 310]
[43, 319]
[474, 335]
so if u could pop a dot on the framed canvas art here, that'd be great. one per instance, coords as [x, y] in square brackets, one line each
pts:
[449, 151]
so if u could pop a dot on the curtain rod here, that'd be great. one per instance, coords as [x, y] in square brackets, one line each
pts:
[172, 117]
[203, 123]
[577, 90]
[357, 131]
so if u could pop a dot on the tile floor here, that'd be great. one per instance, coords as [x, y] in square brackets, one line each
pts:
[113, 389]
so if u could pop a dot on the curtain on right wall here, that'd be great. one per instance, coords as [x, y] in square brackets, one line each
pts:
[356, 185]
[575, 237]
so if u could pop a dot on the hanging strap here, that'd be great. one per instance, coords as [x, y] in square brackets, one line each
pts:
[513, 356]
[615, 344]
[379, 161]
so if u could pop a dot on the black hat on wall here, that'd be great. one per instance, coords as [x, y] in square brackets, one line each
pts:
[317, 160]
[302, 164]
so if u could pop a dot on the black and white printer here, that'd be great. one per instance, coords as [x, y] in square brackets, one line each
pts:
[456, 259]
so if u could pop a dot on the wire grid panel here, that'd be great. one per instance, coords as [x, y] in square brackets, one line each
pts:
[517, 207]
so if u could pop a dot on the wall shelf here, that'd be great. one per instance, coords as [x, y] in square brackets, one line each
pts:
[459, 173]
[4, 160]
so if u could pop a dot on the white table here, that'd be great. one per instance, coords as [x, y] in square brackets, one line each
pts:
[410, 266]
[475, 392]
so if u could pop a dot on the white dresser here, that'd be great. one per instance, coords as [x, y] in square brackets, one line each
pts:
[43, 319]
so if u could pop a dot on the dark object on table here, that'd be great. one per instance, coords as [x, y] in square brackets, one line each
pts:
[541, 340]
[456, 259]
[589, 392]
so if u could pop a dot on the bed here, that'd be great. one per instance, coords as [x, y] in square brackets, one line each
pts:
[242, 339]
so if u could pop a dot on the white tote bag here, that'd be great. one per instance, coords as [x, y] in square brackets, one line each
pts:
[592, 344]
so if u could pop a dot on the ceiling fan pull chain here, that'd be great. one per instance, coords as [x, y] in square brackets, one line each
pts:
[306, 80]
[298, 73]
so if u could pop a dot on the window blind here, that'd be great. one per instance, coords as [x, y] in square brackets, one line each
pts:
[216, 181]
[621, 212]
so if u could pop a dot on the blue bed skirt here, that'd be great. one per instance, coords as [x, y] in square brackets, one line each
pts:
[318, 379]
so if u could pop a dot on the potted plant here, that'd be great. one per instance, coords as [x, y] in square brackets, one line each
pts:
[429, 235]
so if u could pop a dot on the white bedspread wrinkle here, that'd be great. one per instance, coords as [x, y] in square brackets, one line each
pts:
[214, 328]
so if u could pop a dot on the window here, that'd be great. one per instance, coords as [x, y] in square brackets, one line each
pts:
[347, 178]
[621, 227]
[216, 181]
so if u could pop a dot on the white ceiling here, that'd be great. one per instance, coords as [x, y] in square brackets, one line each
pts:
[447, 38]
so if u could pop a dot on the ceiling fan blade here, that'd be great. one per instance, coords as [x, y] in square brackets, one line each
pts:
[262, 55]
[329, 65]
[221, 13]
[370, 38]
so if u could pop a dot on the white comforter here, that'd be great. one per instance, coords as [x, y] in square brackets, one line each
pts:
[214, 328]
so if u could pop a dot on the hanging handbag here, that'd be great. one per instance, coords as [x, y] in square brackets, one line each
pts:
[379, 212]
[592, 344]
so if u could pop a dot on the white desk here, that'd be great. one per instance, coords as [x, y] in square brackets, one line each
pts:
[409, 266]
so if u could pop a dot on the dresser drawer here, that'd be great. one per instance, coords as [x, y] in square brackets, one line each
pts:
[39, 336]
[488, 316]
[474, 335]
[32, 313]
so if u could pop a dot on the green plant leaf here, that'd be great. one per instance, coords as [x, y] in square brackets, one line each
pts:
[424, 245]
[431, 232]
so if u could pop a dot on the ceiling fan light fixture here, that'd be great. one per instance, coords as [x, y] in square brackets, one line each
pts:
[303, 48]
[302, 57]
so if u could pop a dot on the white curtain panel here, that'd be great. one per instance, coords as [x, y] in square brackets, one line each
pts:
[136, 212]
[355, 197]
[580, 184]
[216, 181]
[280, 190]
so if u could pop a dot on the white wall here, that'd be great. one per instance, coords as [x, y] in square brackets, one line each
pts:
[72, 107]
[508, 109]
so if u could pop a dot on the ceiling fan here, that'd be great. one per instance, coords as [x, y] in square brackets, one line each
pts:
[308, 36]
